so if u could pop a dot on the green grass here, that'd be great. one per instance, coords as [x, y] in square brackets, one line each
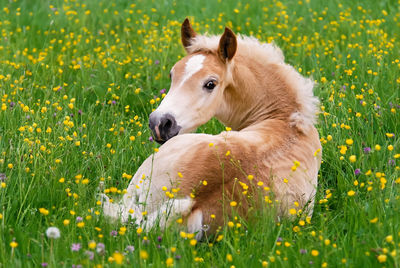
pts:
[68, 76]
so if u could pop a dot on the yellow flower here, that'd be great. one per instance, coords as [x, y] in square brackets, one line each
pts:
[144, 255]
[377, 147]
[390, 147]
[92, 245]
[66, 222]
[389, 238]
[44, 211]
[293, 211]
[374, 220]
[314, 252]
[382, 258]
[169, 262]
[353, 158]
[229, 257]
[118, 257]
[139, 230]
[233, 204]
[13, 244]
[351, 193]
[80, 224]
[193, 242]
[349, 141]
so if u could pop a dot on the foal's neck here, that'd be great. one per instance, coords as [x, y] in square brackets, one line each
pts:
[260, 93]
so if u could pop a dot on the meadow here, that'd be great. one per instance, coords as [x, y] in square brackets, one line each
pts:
[78, 80]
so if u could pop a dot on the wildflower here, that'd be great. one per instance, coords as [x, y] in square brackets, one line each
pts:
[352, 158]
[100, 248]
[351, 193]
[53, 232]
[13, 244]
[229, 257]
[89, 254]
[44, 211]
[382, 258]
[357, 171]
[118, 257]
[367, 150]
[75, 247]
[92, 245]
[3, 177]
[233, 204]
[389, 238]
[374, 220]
[44, 264]
[169, 261]
[130, 248]
[314, 252]
[144, 255]
[293, 211]
[377, 147]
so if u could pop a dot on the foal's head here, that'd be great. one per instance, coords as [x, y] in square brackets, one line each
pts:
[198, 82]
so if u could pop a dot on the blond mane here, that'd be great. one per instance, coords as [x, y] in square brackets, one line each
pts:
[269, 53]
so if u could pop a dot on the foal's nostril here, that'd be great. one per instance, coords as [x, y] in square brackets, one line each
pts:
[167, 124]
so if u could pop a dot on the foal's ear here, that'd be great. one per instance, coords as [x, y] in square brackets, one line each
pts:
[187, 33]
[227, 45]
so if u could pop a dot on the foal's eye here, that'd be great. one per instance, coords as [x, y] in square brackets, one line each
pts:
[210, 85]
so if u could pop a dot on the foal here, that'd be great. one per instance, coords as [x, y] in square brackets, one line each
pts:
[272, 144]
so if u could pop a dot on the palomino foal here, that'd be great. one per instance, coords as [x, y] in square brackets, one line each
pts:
[273, 143]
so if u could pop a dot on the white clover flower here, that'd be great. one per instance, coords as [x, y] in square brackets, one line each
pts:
[53, 232]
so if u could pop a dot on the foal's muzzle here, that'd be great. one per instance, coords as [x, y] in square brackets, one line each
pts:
[164, 127]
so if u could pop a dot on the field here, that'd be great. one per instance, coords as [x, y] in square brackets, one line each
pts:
[79, 78]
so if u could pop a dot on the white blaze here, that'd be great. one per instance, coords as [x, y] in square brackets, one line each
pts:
[192, 66]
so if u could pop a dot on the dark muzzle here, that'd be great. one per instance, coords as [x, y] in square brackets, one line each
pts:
[163, 128]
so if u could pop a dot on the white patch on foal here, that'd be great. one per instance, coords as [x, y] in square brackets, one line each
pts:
[195, 223]
[169, 210]
[192, 66]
